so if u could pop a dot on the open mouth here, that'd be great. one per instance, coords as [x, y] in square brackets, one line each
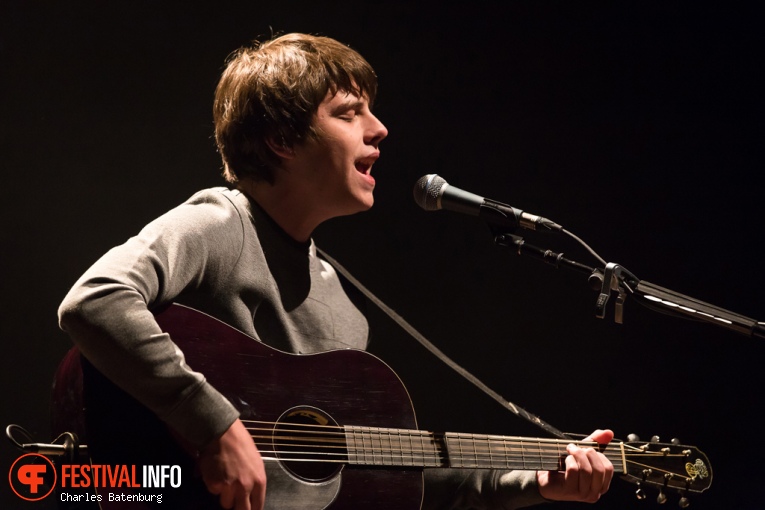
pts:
[362, 167]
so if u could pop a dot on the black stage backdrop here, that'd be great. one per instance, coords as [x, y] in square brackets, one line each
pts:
[636, 125]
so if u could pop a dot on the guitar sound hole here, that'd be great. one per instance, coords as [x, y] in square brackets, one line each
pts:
[310, 444]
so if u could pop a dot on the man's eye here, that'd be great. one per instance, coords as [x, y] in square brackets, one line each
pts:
[348, 115]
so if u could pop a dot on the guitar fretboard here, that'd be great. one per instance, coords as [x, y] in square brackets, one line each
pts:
[401, 447]
[393, 447]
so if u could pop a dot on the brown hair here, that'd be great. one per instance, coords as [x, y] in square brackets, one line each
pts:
[271, 91]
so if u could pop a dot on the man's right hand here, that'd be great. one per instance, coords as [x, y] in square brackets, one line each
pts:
[232, 468]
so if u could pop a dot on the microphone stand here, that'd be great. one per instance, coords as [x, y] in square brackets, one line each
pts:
[616, 279]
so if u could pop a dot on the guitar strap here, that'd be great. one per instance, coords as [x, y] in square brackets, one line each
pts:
[517, 410]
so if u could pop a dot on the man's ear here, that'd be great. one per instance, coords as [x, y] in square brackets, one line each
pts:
[279, 147]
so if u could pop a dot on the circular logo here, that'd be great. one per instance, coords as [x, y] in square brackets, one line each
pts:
[32, 477]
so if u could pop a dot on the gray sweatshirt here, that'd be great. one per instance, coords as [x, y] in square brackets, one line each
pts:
[221, 254]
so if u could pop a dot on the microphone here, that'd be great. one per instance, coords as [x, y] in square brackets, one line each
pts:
[432, 193]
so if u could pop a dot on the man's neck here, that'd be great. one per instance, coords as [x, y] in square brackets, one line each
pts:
[285, 206]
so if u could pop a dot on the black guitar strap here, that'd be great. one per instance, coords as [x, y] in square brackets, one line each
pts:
[517, 410]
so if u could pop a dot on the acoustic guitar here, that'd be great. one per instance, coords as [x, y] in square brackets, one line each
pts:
[336, 430]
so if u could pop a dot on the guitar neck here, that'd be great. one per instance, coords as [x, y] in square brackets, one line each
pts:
[400, 447]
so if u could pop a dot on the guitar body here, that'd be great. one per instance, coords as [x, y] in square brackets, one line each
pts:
[344, 387]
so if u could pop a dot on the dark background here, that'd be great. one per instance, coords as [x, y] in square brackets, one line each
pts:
[636, 125]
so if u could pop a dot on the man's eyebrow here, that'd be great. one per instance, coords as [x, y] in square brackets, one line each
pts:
[350, 104]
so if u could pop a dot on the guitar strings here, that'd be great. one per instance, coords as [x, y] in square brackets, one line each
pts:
[339, 434]
[323, 437]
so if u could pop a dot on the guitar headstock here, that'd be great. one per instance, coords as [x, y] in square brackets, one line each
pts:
[670, 467]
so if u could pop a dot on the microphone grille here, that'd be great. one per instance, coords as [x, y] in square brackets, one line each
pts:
[427, 191]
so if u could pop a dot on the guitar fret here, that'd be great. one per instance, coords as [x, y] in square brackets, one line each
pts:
[497, 447]
[420, 450]
[428, 450]
[483, 460]
[350, 446]
[369, 446]
[562, 453]
[400, 449]
[539, 449]
[387, 447]
[487, 461]
[364, 446]
[411, 449]
[386, 450]
[523, 455]
[352, 442]
[420, 447]
[372, 446]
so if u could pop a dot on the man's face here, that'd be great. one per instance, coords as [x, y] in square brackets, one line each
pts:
[337, 164]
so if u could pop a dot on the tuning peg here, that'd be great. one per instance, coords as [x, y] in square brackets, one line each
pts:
[633, 438]
[684, 502]
[655, 439]
[675, 441]
[640, 493]
[662, 498]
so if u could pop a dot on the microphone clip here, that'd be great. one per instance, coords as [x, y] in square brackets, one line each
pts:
[501, 218]
[612, 281]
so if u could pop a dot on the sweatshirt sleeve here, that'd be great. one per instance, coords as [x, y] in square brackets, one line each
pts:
[107, 313]
[480, 489]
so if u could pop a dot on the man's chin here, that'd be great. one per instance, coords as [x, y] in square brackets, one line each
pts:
[362, 205]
